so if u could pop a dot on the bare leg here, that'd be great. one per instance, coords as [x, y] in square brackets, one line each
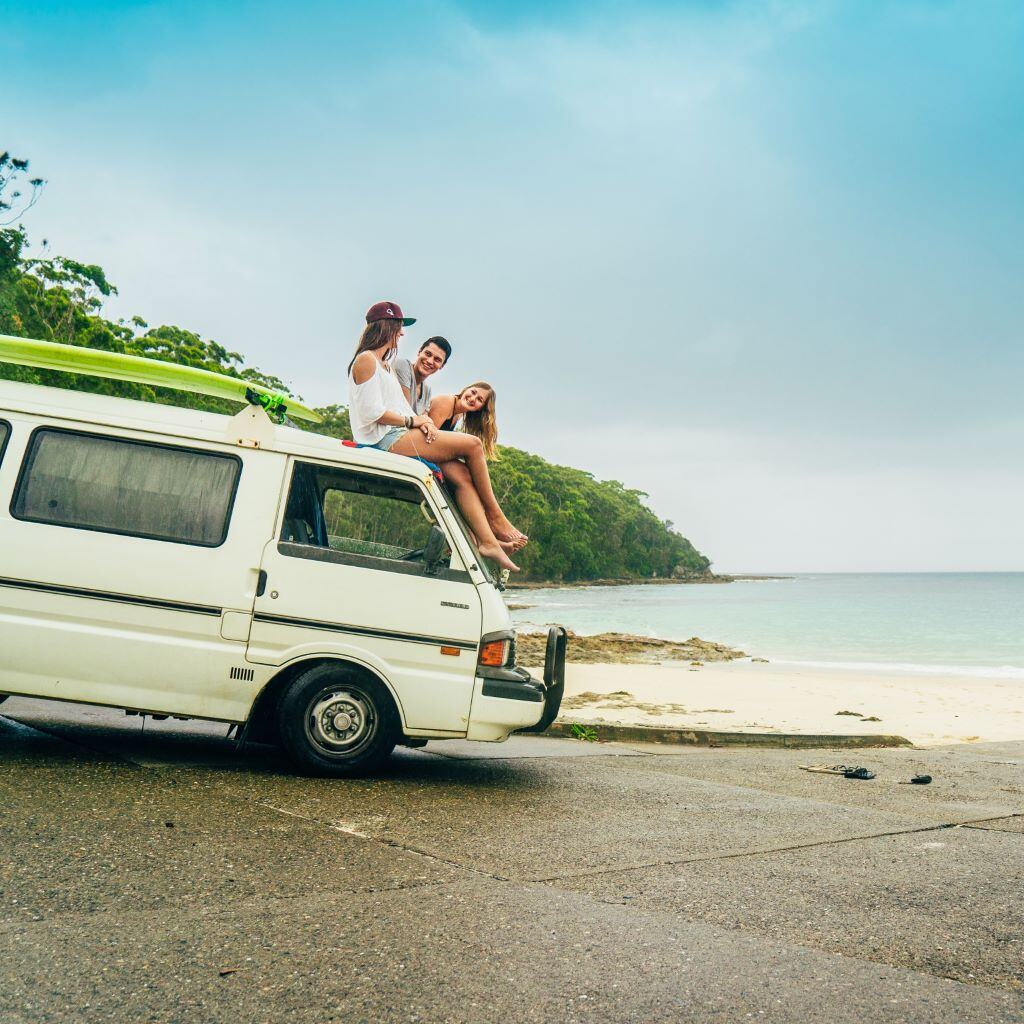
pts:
[456, 473]
[488, 545]
[457, 476]
[502, 528]
[447, 447]
[473, 510]
[474, 468]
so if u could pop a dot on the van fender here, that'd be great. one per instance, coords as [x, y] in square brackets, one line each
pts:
[259, 721]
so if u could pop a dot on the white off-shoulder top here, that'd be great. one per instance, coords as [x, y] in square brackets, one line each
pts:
[368, 401]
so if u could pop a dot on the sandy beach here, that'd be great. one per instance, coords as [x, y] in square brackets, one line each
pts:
[747, 695]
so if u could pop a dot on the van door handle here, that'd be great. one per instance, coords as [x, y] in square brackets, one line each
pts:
[261, 583]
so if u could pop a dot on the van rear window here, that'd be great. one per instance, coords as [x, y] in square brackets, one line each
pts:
[114, 485]
[5, 432]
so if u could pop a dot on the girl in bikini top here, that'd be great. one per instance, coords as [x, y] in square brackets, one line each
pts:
[471, 410]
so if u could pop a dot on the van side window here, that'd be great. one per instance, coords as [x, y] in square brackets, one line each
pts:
[137, 488]
[5, 432]
[356, 513]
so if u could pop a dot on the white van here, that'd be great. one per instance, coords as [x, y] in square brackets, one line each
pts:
[178, 563]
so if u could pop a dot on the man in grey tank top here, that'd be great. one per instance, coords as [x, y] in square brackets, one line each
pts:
[433, 354]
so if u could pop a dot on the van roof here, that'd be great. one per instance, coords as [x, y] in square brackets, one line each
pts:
[171, 421]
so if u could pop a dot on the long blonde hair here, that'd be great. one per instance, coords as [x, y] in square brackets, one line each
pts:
[377, 335]
[483, 422]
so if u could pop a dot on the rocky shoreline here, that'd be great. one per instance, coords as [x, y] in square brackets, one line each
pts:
[624, 648]
[659, 581]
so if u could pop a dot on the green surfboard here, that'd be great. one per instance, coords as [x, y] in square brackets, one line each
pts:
[94, 362]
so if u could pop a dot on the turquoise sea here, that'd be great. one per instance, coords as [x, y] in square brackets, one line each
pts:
[962, 623]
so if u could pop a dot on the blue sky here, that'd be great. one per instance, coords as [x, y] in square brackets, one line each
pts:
[761, 260]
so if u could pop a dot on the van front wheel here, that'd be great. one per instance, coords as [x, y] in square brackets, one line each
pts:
[338, 721]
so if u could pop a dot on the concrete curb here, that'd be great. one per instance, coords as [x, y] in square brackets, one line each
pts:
[705, 738]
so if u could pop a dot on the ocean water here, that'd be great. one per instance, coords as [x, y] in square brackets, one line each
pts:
[962, 623]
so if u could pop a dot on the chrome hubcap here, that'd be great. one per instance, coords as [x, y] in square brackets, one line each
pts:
[341, 720]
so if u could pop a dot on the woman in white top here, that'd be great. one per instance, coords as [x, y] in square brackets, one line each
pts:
[381, 416]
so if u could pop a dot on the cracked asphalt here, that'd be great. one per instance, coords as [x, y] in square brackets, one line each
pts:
[158, 875]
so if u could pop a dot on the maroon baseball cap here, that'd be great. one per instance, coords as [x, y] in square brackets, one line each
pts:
[388, 311]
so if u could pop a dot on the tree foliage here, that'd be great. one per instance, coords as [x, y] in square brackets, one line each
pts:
[580, 528]
[584, 529]
[18, 192]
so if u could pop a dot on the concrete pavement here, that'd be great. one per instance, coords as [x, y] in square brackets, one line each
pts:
[164, 877]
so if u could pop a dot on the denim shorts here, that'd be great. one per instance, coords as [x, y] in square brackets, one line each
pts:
[390, 438]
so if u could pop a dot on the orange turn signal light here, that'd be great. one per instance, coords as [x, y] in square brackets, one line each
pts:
[452, 651]
[494, 653]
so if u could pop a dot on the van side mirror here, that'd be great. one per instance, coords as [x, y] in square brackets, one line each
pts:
[434, 552]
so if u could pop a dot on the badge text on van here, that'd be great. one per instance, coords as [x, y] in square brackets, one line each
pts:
[454, 604]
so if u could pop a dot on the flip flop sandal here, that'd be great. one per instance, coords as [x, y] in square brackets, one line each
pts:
[838, 769]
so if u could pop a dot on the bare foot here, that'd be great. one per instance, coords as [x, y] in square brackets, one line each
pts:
[496, 553]
[504, 530]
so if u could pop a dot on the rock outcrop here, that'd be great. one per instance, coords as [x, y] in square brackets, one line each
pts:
[624, 648]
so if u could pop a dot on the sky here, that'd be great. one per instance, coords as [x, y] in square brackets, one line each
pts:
[760, 260]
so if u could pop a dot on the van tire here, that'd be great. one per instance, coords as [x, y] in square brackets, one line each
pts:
[338, 720]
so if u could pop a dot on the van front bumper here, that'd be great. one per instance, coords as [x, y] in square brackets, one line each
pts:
[554, 677]
[511, 700]
[510, 684]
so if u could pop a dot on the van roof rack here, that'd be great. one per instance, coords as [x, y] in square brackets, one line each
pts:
[94, 362]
